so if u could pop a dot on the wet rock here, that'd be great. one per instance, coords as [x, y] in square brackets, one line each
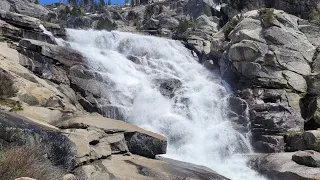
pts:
[29, 34]
[269, 144]
[65, 56]
[308, 158]
[271, 118]
[279, 166]
[114, 112]
[55, 29]
[168, 86]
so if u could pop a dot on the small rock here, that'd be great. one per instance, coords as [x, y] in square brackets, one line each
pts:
[69, 177]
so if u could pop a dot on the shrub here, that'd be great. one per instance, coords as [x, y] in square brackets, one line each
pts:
[36, 2]
[132, 15]
[76, 12]
[267, 14]
[148, 11]
[12, 9]
[106, 25]
[27, 161]
[229, 27]
[315, 15]
[64, 13]
[185, 25]
[2, 39]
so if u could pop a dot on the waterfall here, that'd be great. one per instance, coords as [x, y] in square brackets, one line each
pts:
[158, 85]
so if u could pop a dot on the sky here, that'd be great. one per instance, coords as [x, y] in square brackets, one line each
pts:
[53, 1]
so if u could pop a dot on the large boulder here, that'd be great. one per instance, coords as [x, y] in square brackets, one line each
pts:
[312, 139]
[138, 141]
[308, 158]
[65, 56]
[279, 166]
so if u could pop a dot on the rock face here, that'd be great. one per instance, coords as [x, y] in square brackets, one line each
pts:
[279, 166]
[267, 61]
[298, 8]
[26, 7]
[17, 26]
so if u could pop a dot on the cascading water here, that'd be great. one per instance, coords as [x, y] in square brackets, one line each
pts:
[162, 88]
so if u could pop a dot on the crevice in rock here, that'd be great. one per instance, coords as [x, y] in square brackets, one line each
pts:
[141, 170]
[94, 142]
[90, 161]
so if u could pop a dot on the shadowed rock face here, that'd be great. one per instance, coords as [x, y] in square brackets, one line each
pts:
[18, 130]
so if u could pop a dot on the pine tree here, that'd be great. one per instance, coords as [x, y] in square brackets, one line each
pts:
[72, 2]
[102, 3]
[109, 2]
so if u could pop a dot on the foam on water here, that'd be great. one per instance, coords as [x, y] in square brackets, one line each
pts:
[192, 120]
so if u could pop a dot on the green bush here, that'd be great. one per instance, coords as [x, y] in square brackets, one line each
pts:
[64, 13]
[132, 15]
[2, 39]
[36, 2]
[267, 14]
[315, 15]
[12, 9]
[185, 25]
[76, 11]
[106, 25]
[229, 27]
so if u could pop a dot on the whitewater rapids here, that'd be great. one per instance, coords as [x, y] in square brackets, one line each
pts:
[193, 118]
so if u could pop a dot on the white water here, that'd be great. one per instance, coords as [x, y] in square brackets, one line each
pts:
[193, 120]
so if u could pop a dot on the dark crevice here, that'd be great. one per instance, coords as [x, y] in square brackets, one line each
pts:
[94, 142]
[90, 161]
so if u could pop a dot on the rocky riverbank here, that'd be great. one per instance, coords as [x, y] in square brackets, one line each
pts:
[270, 59]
